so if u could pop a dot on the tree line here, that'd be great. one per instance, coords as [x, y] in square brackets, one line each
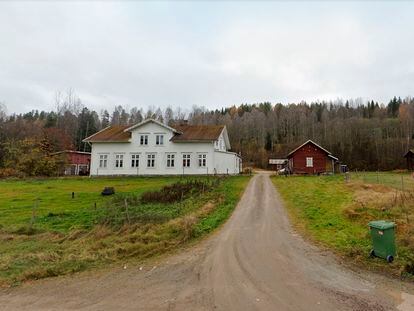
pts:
[365, 135]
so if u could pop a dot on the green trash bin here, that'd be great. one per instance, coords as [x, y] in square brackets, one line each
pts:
[383, 239]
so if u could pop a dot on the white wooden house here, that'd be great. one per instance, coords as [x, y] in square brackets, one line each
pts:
[153, 148]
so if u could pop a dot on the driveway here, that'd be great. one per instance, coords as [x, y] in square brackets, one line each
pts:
[255, 262]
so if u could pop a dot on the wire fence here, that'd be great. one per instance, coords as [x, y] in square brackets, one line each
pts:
[401, 181]
[128, 208]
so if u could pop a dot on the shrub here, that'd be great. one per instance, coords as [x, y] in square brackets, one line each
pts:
[30, 157]
[176, 192]
[155, 207]
[247, 171]
[9, 172]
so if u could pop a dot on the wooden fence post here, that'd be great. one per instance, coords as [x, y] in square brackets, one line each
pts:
[126, 211]
[33, 219]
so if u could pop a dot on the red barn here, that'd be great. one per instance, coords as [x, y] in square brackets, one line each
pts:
[76, 162]
[310, 158]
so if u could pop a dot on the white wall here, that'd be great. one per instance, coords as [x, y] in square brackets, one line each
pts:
[227, 162]
[220, 162]
[220, 143]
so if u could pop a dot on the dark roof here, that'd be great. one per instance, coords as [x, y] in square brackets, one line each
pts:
[113, 133]
[410, 151]
[182, 132]
[71, 151]
[313, 143]
[197, 132]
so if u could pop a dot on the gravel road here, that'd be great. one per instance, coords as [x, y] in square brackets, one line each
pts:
[254, 262]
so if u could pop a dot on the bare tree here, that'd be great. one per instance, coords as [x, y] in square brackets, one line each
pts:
[135, 116]
[168, 115]
[3, 111]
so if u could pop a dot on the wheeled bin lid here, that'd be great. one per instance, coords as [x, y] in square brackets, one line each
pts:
[381, 224]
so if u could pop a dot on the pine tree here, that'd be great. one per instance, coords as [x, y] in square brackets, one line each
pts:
[268, 143]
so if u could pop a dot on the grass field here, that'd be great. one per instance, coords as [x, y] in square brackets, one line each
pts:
[336, 213]
[52, 199]
[398, 180]
[70, 235]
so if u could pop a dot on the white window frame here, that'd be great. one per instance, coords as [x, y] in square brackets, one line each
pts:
[103, 161]
[134, 160]
[151, 160]
[119, 160]
[143, 139]
[170, 160]
[159, 139]
[186, 160]
[309, 161]
[202, 160]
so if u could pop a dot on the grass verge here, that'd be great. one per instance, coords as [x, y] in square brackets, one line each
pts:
[335, 214]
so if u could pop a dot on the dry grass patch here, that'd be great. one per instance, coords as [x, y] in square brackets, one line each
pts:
[382, 202]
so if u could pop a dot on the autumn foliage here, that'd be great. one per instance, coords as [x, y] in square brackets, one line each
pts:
[365, 135]
[29, 157]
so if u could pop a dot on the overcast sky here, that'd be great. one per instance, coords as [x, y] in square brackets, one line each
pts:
[208, 54]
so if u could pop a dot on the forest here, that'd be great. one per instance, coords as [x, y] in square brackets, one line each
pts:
[365, 135]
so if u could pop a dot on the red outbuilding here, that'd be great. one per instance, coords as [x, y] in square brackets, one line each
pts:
[76, 162]
[310, 158]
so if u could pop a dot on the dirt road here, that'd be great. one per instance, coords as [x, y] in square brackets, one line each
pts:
[255, 262]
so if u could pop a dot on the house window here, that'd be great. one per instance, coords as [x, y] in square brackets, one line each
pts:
[151, 160]
[103, 160]
[170, 160]
[186, 160]
[202, 159]
[143, 140]
[159, 140]
[134, 160]
[309, 162]
[119, 160]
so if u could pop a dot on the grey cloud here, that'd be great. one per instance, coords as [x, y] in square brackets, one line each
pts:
[158, 54]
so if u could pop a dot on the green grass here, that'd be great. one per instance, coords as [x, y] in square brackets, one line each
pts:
[318, 203]
[56, 210]
[70, 235]
[335, 214]
[233, 190]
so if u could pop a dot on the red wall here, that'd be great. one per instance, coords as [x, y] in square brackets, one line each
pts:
[79, 158]
[309, 150]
